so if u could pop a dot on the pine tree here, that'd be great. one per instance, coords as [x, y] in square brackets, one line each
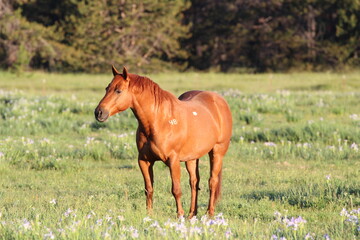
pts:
[144, 35]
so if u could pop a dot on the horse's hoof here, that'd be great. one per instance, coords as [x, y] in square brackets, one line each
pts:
[149, 211]
[210, 213]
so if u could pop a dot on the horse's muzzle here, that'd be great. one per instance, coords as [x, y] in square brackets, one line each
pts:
[101, 115]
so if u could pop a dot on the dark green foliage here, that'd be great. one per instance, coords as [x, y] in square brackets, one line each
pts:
[274, 35]
[229, 36]
[91, 35]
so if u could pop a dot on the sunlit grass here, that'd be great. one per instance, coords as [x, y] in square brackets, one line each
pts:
[292, 166]
[92, 86]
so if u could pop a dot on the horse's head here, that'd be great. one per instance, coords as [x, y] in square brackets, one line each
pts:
[117, 97]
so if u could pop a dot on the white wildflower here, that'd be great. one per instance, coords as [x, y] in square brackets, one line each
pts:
[193, 220]
[147, 219]
[354, 117]
[49, 235]
[270, 144]
[355, 147]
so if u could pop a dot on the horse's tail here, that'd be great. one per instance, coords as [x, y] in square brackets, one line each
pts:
[218, 188]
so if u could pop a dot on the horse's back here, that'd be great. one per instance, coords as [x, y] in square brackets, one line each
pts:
[210, 100]
[187, 96]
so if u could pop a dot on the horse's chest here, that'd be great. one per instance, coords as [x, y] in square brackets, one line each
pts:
[157, 150]
[162, 149]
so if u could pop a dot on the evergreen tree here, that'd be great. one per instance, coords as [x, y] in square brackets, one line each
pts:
[274, 35]
[25, 44]
[142, 34]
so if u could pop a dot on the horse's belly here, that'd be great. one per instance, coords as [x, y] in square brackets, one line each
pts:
[195, 151]
[191, 148]
[199, 141]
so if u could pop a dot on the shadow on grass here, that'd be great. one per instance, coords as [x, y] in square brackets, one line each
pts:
[311, 196]
[317, 87]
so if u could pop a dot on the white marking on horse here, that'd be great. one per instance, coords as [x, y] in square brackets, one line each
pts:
[173, 121]
[195, 113]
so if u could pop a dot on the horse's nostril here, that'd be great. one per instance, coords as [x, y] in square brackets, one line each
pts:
[97, 113]
[101, 115]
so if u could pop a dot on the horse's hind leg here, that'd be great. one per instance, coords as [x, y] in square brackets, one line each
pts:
[193, 170]
[216, 157]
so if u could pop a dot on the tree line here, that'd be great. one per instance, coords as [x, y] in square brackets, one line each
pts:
[147, 35]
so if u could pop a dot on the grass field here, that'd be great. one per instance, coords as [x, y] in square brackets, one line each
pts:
[292, 170]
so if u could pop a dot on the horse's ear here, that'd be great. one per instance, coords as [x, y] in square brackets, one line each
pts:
[115, 71]
[125, 73]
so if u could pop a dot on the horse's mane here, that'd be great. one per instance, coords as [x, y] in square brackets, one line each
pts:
[139, 84]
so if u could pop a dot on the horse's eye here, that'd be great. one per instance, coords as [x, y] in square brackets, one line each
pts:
[118, 91]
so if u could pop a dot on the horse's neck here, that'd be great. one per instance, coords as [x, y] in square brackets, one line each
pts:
[152, 110]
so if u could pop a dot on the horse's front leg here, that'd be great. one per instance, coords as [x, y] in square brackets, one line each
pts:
[146, 168]
[175, 171]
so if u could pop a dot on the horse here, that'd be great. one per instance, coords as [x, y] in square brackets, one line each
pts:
[172, 130]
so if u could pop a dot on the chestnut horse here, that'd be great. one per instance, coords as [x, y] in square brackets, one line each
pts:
[172, 130]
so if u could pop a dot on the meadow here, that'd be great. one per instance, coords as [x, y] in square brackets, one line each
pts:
[292, 170]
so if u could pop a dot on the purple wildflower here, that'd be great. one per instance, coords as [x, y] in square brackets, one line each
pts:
[353, 219]
[99, 222]
[326, 236]
[195, 230]
[355, 211]
[26, 224]
[67, 213]
[228, 234]
[294, 223]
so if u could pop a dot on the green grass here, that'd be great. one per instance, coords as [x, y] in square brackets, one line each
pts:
[294, 152]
